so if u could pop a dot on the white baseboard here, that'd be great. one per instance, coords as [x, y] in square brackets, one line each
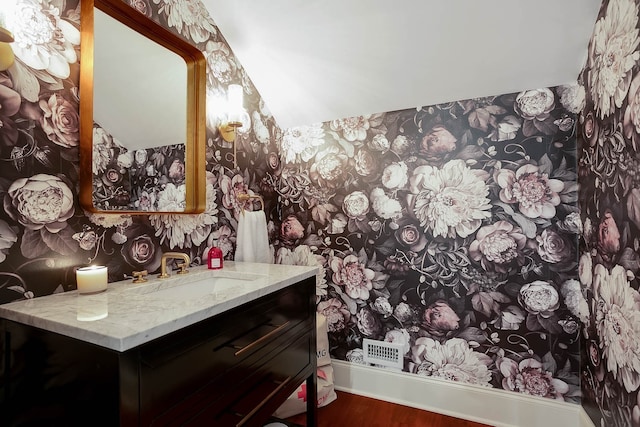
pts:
[498, 408]
[585, 421]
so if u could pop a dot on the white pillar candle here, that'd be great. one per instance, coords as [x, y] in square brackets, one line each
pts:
[91, 279]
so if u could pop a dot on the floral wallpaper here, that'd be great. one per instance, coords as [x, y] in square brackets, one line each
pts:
[149, 179]
[609, 129]
[44, 233]
[451, 230]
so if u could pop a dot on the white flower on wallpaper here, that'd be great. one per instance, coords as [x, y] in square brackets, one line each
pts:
[535, 104]
[575, 300]
[452, 360]
[101, 154]
[220, 63]
[185, 231]
[189, 17]
[301, 143]
[613, 53]
[303, 255]
[451, 200]
[355, 128]
[43, 39]
[616, 307]
[8, 236]
[41, 201]
[572, 97]
[631, 121]
[172, 198]
[384, 206]
[539, 297]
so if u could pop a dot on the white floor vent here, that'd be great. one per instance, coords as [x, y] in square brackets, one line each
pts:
[383, 353]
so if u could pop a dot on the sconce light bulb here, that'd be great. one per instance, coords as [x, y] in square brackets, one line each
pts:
[234, 97]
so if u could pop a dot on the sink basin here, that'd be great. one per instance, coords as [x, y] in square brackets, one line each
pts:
[197, 285]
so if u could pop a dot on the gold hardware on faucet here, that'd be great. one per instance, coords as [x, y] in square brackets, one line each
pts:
[139, 276]
[183, 268]
[175, 255]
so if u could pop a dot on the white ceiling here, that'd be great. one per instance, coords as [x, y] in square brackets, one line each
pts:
[318, 60]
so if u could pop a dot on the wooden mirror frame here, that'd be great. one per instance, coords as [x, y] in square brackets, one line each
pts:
[195, 160]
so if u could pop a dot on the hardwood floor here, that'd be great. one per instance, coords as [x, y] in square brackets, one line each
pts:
[357, 411]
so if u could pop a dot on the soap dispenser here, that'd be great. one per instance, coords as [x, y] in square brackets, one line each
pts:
[214, 261]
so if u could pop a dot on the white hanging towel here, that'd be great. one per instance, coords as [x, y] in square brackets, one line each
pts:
[252, 244]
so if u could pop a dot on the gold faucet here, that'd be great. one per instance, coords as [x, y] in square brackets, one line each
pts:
[176, 255]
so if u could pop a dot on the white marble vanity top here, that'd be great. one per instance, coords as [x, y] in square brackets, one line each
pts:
[127, 315]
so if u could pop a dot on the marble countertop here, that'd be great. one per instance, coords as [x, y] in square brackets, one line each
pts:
[127, 315]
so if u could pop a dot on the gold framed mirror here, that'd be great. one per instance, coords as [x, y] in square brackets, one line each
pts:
[142, 115]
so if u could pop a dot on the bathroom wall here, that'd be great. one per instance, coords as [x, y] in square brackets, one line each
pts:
[609, 137]
[450, 230]
[44, 234]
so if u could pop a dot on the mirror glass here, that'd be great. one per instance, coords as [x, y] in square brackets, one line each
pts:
[161, 94]
[143, 130]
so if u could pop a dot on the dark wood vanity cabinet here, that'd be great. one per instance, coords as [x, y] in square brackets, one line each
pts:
[234, 369]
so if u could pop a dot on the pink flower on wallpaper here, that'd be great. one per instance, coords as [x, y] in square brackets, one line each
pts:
[291, 230]
[336, 312]
[534, 192]
[608, 237]
[231, 187]
[529, 377]
[437, 143]
[353, 276]
[439, 319]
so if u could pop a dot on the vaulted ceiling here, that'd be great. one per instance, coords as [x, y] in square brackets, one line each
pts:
[315, 61]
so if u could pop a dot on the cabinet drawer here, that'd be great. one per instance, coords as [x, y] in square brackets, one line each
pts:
[178, 376]
[263, 390]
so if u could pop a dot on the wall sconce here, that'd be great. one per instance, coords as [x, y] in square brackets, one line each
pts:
[235, 110]
[7, 57]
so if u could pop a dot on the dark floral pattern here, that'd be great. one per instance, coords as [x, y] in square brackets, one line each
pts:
[451, 229]
[606, 297]
[42, 227]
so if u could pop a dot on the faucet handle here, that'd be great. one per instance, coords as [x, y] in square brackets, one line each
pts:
[139, 276]
[183, 268]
